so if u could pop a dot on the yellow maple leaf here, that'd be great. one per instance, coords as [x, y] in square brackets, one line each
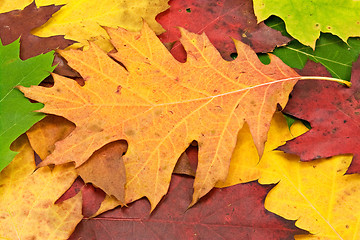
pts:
[160, 106]
[27, 209]
[316, 194]
[81, 20]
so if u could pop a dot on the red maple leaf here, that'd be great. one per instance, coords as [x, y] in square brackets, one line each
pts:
[221, 20]
[235, 212]
[333, 112]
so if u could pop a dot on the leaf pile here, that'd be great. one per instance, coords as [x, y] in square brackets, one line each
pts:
[162, 88]
[170, 119]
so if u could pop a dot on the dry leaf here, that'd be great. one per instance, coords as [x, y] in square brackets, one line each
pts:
[105, 168]
[159, 106]
[230, 213]
[27, 209]
[82, 20]
[317, 194]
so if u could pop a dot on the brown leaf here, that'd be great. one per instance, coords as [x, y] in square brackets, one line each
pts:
[183, 166]
[106, 169]
[19, 23]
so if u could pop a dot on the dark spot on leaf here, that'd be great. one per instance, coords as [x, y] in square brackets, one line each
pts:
[233, 55]
[130, 132]
[118, 89]
[357, 95]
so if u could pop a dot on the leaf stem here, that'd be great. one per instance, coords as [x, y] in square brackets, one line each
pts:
[347, 83]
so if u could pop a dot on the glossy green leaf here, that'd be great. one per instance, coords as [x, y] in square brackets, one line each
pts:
[16, 112]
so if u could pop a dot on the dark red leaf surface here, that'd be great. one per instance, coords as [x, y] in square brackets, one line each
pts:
[230, 213]
[221, 20]
[92, 197]
[333, 112]
[19, 23]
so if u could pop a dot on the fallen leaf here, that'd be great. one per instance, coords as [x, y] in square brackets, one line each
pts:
[159, 106]
[105, 168]
[91, 196]
[333, 114]
[221, 21]
[306, 19]
[16, 115]
[82, 20]
[244, 165]
[334, 54]
[19, 23]
[231, 213]
[316, 194]
[183, 166]
[44, 134]
[27, 209]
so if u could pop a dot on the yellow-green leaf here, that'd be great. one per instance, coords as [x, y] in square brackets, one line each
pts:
[305, 19]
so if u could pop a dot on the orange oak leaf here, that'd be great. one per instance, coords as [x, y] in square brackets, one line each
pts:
[105, 167]
[159, 106]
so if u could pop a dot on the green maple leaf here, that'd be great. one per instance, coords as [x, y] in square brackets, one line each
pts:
[306, 19]
[330, 51]
[16, 112]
